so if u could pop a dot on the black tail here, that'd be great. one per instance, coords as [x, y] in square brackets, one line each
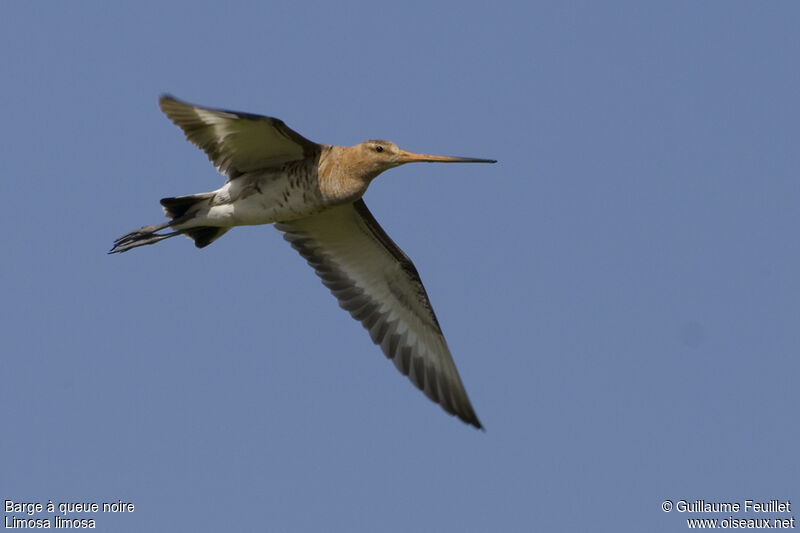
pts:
[205, 235]
[176, 207]
[180, 210]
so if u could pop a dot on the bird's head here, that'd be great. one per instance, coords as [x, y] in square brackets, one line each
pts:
[375, 156]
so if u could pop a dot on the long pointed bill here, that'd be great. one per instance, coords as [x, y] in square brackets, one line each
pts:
[411, 157]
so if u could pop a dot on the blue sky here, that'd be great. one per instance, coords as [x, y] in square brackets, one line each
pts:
[620, 291]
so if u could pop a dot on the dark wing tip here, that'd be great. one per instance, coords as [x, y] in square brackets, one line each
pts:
[166, 97]
[468, 415]
[169, 105]
[167, 101]
[472, 421]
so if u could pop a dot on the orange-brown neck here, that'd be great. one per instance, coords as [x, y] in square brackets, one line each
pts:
[343, 177]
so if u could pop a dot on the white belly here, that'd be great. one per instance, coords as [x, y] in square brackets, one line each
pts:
[261, 199]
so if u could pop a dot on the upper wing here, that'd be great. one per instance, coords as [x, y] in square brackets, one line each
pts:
[377, 283]
[237, 142]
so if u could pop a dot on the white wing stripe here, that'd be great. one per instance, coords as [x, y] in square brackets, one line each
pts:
[238, 142]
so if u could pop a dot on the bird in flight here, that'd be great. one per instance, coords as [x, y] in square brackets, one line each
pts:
[312, 194]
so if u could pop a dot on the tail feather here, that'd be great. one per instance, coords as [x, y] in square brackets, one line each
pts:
[180, 206]
[205, 235]
[180, 210]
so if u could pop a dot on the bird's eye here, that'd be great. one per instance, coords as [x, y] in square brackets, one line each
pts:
[379, 148]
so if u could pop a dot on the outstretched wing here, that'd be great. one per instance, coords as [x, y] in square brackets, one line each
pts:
[237, 142]
[377, 283]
